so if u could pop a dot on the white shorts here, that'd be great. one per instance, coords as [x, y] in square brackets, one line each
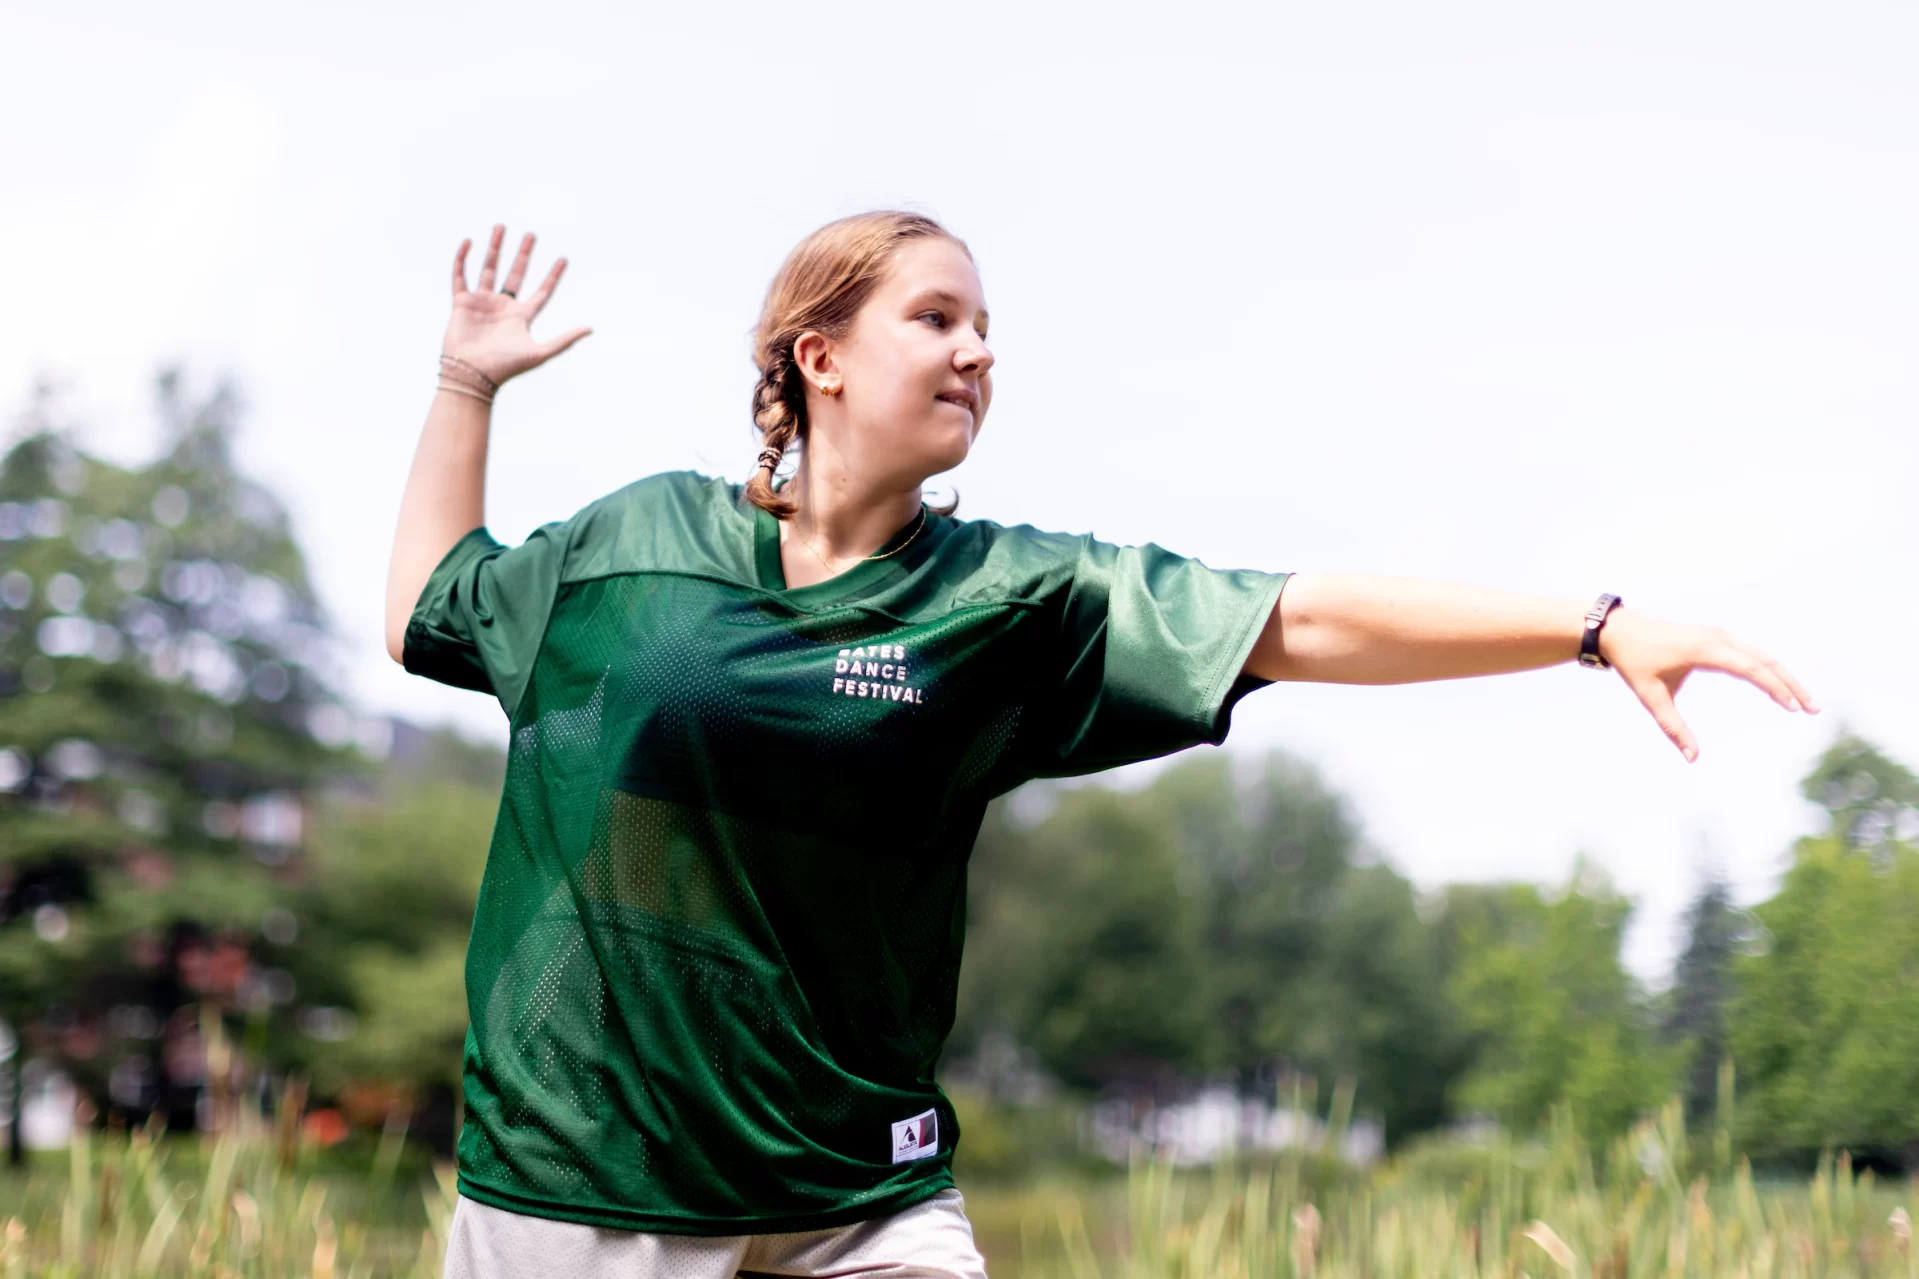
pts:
[930, 1240]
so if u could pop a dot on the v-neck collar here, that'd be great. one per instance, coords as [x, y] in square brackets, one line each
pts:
[772, 574]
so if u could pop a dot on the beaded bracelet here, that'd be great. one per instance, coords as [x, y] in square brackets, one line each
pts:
[458, 363]
[447, 384]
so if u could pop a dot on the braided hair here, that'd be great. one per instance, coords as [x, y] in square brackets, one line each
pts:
[779, 411]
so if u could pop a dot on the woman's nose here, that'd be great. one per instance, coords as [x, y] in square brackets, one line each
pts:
[975, 355]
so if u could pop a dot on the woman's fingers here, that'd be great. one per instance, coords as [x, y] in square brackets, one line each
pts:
[553, 346]
[1657, 699]
[537, 302]
[459, 268]
[1761, 672]
[1654, 658]
[509, 323]
[517, 272]
[1798, 690]
[492, 264]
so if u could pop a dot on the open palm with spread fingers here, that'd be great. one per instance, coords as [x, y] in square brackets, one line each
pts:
[492, 330]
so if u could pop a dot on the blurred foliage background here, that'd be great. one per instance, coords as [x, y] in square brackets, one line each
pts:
[192, 820]
[226, 892]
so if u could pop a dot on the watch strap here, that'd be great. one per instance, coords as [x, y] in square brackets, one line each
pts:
[1589, 638]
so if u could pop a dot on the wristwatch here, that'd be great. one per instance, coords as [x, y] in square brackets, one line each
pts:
[1589, 638]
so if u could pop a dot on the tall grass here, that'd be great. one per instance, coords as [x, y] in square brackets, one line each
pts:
[229, 1206]
[247, 1201]
[1544, 1210]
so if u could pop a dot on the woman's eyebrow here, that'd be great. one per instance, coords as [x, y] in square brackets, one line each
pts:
[953, 300]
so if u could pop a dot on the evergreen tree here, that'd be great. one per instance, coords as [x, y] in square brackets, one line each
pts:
[165, 713]
[1702, 990]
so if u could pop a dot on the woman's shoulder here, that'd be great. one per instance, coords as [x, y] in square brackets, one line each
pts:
[675, 488]
[669, 494]
[989, 537]
[1012, 559]
[1025, 551]
[657, 521]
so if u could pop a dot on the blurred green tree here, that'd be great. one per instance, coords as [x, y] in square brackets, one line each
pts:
[185, 820]
[390, 899]
[385, 908]
[165, 710]
[1825, 1025]
[1206, 923]
[1871, 801]
[1537, 982]
[1696, 1007]
[1085, 940]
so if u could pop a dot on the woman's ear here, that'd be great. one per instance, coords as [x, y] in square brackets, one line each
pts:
[813, 357]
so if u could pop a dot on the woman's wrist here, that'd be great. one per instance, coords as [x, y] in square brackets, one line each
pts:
[1603, 643]
[1592, 633]
[461, 378]
[463, 393]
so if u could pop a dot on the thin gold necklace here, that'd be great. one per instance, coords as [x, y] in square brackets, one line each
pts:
[833, 572]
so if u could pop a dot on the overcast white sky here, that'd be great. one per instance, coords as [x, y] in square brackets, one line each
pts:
[1550, 298]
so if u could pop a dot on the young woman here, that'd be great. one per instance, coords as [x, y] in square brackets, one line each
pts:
[753, 731]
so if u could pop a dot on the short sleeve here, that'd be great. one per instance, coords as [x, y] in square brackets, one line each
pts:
[1148, 657]
[480, 619]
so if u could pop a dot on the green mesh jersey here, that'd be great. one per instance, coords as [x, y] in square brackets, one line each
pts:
[717, 943]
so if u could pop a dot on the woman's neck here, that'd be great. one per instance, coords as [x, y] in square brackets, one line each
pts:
[841, 519]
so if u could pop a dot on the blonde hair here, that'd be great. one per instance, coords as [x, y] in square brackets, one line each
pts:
[820, 287]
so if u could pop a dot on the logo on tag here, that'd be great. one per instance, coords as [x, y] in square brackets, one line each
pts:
[916, 1138]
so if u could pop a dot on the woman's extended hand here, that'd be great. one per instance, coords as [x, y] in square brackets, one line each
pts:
[1654, 658]
[491, 330]
[1346, 628]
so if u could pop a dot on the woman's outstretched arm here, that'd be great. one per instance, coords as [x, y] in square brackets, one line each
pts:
[445, 494]
[1339, 628]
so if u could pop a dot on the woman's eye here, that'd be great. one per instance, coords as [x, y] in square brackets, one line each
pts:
[937, 320]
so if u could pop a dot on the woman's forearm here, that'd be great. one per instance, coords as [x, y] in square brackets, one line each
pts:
[1340, 628]
[1337, 628]
[488, 338]
[445, 499]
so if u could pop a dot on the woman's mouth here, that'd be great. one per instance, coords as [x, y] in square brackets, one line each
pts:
[964, 398]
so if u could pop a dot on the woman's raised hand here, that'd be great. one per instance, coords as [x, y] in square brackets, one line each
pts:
[492, 330]
[1655, 657]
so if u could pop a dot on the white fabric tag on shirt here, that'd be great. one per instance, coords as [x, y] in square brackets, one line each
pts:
[916, 1138]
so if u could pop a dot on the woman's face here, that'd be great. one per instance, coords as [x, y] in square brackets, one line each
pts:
[914, 368]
